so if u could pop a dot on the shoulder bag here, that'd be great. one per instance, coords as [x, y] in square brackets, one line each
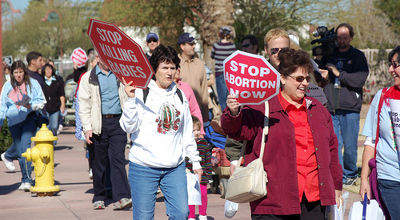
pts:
[249, 183]
[373, 177]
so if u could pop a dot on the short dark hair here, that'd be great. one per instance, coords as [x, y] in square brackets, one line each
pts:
[53, 70]
[33, 55]
[19, 65]
[396, 50]
[253, 40]
[164, 54]
[348, 26]
[291, 59]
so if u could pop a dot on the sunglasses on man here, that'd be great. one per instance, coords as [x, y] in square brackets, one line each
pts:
[246, 45]
[301, 78]
[152, 40]
[276, 50]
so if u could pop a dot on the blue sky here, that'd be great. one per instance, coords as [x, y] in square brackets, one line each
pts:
[20, 4]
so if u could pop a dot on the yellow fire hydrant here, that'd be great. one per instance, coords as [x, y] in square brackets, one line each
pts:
[42, 157]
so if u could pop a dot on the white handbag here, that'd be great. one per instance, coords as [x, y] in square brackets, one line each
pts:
[193, 189]
[249, 183]
[365, 210]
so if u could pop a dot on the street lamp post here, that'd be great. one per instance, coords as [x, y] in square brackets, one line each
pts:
[1, 49]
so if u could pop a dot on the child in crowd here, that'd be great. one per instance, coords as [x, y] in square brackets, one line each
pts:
[205, 153]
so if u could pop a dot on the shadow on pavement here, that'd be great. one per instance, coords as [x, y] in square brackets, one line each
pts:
[73, 183]
[90, 191]
[68, 132]
[9, 188]
[62, 147]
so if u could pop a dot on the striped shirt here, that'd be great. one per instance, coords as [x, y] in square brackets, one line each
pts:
[220, 52]
[204, 149]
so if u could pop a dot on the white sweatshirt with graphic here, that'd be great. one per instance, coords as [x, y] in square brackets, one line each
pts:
[162, 128]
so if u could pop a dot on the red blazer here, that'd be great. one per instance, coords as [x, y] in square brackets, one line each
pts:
[280, 153]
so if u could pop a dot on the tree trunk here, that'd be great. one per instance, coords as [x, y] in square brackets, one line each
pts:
[215, 13]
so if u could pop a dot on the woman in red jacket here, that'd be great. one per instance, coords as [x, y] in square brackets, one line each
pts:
[301, 156]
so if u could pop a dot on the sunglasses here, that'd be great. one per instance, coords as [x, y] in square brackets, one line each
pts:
[151, 40]
[276, 50]
[301, 78]
[394, 64]
[245, 45]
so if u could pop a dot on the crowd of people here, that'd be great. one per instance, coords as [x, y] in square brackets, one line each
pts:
[167, 126]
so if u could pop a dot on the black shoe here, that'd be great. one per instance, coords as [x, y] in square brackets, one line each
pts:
[349, 181]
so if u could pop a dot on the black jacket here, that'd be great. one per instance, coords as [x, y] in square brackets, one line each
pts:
[353, 74]
[53, 94]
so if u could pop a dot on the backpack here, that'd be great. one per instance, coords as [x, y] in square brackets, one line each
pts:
[147, 90]
[214, 138]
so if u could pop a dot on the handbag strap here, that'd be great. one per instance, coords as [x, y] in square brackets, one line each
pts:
[365, 203]
[265, 132]
[384, 90]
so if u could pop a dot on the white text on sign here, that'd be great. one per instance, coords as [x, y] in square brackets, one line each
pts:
[250, 83]
[252, 70]
[109, 36]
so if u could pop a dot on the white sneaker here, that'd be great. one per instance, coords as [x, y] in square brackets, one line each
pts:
[191, 219]
[25, 187]
[9, 164]
[60, 128]
[202, 217]
[90, 173]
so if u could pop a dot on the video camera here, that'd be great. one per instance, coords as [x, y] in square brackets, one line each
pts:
[327, 40]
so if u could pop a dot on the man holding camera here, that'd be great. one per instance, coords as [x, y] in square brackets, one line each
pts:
[347, 72]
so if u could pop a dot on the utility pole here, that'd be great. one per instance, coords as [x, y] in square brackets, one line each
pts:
[1, 48]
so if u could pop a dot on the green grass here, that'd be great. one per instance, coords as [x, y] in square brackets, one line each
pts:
[5, 138]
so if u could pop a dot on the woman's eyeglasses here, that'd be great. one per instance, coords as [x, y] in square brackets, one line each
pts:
[301, 78]
[394, 64]
[276, 50]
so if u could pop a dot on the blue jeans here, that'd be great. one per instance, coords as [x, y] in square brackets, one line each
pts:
[144, 182]
[54, 122]
[347, 125]
[390, 192]
[222, 90]
[21, 134]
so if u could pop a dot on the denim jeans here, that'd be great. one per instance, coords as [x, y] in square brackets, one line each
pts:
[54, 122]
[347, 125]
[144, 182]
[21, 134]
[390, 192]
[222, 90]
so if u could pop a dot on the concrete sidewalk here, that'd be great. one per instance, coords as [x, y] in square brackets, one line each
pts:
[74, 199]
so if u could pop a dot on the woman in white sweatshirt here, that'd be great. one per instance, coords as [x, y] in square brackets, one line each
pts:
[161, 126]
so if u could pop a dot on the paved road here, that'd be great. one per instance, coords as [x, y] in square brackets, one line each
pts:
[74, 200]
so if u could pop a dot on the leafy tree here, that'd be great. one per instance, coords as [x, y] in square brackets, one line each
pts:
[391, 9]
[370, 25]
[66, 30]
[168, 15]
[258, 17]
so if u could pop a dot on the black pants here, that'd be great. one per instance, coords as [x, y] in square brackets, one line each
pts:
[309, 211]
[110, 145]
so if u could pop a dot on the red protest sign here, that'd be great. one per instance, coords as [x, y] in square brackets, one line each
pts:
[250, 78]
[120, 53]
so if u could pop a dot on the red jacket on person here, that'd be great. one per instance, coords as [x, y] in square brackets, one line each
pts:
[280, 153]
